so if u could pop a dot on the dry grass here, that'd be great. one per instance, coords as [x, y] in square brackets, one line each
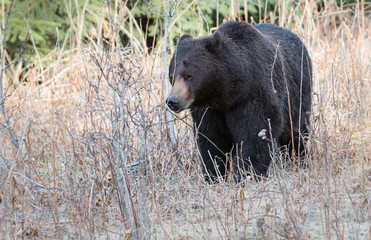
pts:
[71, 189]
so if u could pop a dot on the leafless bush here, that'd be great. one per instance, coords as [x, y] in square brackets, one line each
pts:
[16, 177]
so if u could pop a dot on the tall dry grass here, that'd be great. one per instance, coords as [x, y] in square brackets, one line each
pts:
[95, 119]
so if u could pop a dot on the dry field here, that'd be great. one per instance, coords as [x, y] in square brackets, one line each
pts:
[85, 150]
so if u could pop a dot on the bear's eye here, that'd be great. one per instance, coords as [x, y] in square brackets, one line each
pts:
[188, 78]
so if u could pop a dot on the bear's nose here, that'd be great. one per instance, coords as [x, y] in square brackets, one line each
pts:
[172, 102]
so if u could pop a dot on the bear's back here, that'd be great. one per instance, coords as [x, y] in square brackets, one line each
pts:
[289, 42]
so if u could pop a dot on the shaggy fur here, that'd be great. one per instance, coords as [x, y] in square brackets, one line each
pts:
[237, 83]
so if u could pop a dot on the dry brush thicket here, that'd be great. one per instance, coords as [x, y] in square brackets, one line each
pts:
[94, 158]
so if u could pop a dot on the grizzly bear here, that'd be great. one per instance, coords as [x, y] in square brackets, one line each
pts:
[248, 89]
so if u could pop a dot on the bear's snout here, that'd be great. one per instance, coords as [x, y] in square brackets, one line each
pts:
[173, 103]
[180, 97]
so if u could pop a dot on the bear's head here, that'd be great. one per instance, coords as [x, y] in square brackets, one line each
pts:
[193, 73]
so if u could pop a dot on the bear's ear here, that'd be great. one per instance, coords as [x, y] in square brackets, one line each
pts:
[185, 36]
[214, 43]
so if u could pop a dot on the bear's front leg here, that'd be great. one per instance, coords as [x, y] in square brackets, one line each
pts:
[250, 125]
[213, 140]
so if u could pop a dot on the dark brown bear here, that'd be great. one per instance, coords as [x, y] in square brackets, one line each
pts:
[241, 83]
